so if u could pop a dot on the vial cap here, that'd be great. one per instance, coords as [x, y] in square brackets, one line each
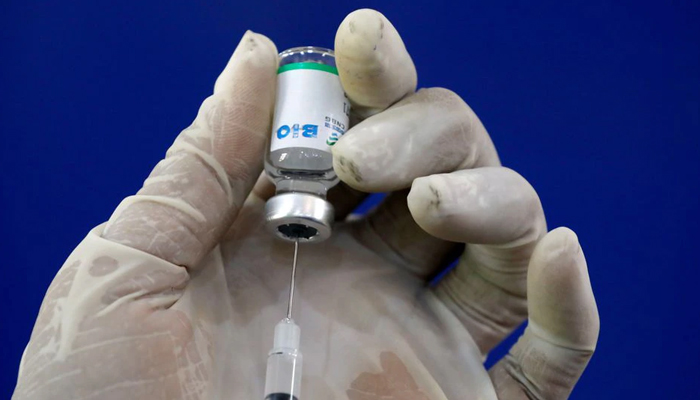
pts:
[299, 216]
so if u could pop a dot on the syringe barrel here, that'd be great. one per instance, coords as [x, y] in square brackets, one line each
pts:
[283, 377]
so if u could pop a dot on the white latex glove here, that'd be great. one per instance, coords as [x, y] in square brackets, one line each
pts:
[177, 295]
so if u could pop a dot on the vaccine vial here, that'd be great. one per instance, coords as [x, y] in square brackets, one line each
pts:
[311, 114]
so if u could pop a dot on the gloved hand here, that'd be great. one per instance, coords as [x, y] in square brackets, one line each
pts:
[177, 295]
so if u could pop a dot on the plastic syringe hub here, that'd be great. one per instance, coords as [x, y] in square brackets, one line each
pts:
[284, 363]
[287, 334]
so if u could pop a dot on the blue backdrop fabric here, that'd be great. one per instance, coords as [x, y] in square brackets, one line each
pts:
[596, 103]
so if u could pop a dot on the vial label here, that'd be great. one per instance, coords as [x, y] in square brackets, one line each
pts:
[312, 110]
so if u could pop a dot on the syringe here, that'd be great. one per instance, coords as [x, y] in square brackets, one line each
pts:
[283, 377]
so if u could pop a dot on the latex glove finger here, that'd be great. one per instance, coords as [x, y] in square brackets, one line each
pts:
[561, 337]
[374, 67]
[376, 71]
[490, 206]
[499, 214]
[432, 131]
[193, 195]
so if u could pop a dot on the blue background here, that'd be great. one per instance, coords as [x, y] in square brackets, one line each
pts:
[596, 103]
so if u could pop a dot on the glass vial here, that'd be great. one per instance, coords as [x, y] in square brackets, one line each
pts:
[311, 114]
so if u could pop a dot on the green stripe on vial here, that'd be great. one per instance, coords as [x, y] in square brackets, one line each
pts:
[308, 65]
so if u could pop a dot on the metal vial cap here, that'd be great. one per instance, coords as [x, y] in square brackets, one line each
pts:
[299, 216]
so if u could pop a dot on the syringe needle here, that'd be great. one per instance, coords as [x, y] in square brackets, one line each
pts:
[292, 282]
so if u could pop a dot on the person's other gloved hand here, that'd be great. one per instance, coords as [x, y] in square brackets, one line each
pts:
[177, 295]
